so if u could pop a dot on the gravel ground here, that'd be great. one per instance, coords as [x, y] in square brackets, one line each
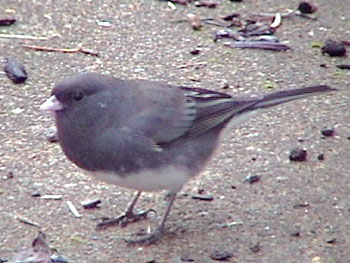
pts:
[297, 212]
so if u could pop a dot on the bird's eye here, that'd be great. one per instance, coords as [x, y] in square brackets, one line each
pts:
[77, 96]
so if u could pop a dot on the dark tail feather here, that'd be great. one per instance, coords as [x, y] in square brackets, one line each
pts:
[279, 97]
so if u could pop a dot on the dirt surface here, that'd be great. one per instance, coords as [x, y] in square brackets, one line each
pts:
[297, 212]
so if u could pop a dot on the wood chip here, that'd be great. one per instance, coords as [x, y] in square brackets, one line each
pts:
[73, 209]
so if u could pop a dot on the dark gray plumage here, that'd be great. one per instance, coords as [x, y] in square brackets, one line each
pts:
[146, 135]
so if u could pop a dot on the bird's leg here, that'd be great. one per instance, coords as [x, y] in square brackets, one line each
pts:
[128, 216]
[157, 233]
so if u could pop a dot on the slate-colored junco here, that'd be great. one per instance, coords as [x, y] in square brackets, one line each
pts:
[146, 135]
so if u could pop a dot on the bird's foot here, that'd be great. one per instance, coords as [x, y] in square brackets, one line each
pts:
[124, 219]
[148, 239]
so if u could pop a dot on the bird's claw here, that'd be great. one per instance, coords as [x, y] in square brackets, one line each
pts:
[124, 219]
[147, 240]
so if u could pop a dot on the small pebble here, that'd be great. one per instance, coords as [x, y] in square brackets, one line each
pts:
[52, 138]
[220, 255]
[225, 85]
[90, 204]
[327, 131]
[51, 134]
[307, 8]
[320, 157]
[251, 179]
[298, 155]
[15, 71]
[334, 48]
[9, 175]
[255, 247]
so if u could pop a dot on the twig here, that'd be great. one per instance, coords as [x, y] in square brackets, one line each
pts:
[52, 197]
[27, 37]
[64, 50]
[26, 221]
[275, 46]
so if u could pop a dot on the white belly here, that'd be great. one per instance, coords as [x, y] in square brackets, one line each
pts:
[165, 178]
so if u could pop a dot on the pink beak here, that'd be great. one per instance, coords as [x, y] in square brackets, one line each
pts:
[51, 105]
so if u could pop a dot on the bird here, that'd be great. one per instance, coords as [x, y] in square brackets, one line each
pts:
[146, 135]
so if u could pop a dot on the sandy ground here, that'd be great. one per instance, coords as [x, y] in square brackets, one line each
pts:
[297, 212]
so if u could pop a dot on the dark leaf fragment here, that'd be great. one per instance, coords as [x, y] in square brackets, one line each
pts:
[343, 66]
[220, 255]
[15, 70]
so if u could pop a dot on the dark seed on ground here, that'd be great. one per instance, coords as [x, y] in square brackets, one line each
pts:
[301, 205]
[89, 204]
[15, 71]
[35, 194]
[343, 66]
[255, 248]
[320, 157]
[187, 259]
[298, 155]
[295, 234]
[251, 179]
[208, 4]
[327, 131]
[230, 16]
[307, 8]
[334, 48]
[9, 175]
[220, 255]
[202, 197]
[330, 240]
[195, 51]
[7, 21]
